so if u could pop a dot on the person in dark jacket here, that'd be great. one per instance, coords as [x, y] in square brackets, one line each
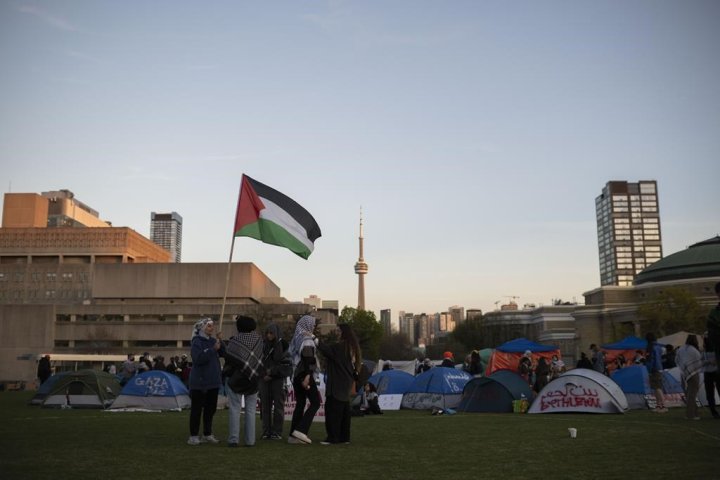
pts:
[344, 361]
[278, 366]
[584, 362]
[44, 371]
[205, 351]
[302, 352]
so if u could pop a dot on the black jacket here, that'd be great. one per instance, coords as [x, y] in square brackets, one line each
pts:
[340, 371]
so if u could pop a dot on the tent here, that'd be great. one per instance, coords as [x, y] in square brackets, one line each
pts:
[580, 391]
[83, 389]
[408, 366]
[45, 388]
[678, 338]
[438, 387]
[507, 356]
[635, 382]
[625, 347]
[701, 395]
[494, 393]
[153, 390]
[391, 385]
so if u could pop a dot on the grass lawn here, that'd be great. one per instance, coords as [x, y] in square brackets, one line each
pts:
[37, 443]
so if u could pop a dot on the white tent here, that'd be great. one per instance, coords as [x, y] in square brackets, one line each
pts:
[580, 391]
[408, 366]
[679, 338]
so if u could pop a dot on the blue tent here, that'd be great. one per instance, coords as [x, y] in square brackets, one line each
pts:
[438, 387]
[494, 393]
[627, 343]
[153, 390]
[45, 388]
[392, 382]
[634, 381]
[520, 345]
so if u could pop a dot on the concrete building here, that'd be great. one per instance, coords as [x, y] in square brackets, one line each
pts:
[71, 290]
[386, 321]
[628, 225]
[313, 300]
[49, 209]
[166, 231]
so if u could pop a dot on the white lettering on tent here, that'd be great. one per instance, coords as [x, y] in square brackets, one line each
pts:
[153, 385]
[572, 396]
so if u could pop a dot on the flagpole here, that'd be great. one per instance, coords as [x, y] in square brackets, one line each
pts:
[227, 284]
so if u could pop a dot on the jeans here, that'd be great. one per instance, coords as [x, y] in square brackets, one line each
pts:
[234, 409]
[692, 387]
[337, 420]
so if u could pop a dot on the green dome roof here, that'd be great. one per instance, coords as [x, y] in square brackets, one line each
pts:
[697, 261]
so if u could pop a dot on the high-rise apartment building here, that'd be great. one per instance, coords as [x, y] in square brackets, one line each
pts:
[628, 224]
[386, 321]
[166, 231]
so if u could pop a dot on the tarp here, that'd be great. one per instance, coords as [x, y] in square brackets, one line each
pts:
[391, 385]
[438, 387]
[83, 389]
[580, 391]
[507, 356]
[494, 393]
[153, 390]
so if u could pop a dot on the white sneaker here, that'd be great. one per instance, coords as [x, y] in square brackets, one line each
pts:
[301, 436]
[294, 441]
[209, 439]
[193, 441]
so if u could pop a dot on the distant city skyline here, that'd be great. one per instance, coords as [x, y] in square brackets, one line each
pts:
[475, 135]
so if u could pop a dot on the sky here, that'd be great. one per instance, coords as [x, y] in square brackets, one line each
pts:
[474, 135]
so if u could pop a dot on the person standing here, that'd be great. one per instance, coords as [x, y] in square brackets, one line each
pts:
[302, 350]
[244, 368]
[713, 325]
[344, 361]
[44, 369]
[711, 378]
[278, 366]
[689, 359]
[205, 351]
[598, 359]
[448, 360]
[653, 362]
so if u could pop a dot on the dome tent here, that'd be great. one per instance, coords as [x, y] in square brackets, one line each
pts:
[580, 391]
[391, 385]
[153, 390]
[83, 389]
[494, 393]
[438, 387]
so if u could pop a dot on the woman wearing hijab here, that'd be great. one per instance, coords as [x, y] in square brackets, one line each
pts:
[205, 350]
[302, 350]
[343, 364]
[690, 361]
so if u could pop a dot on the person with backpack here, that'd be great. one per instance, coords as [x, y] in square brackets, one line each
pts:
[244, 369]
[302, 350]
[278, 366]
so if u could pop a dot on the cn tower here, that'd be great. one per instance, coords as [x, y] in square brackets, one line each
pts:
[361, 268]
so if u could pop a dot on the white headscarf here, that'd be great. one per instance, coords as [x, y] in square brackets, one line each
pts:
[303, 330]
[199, 328]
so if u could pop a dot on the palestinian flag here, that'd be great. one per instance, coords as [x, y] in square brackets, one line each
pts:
[267, 215]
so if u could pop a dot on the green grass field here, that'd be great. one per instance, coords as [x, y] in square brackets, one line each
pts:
[40, 443]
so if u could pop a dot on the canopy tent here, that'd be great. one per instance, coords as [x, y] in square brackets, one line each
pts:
[391, 385]
[678, 338]
[507, 356]
[83, 389]
[634, 381]
[438, 387]
[580, 391]
[153, 390]
[625, 347]
[494, 393]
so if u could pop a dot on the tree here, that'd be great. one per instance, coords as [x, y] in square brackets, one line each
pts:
[672, 310]
[469, 334]
[396, 347]
[366, 327]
